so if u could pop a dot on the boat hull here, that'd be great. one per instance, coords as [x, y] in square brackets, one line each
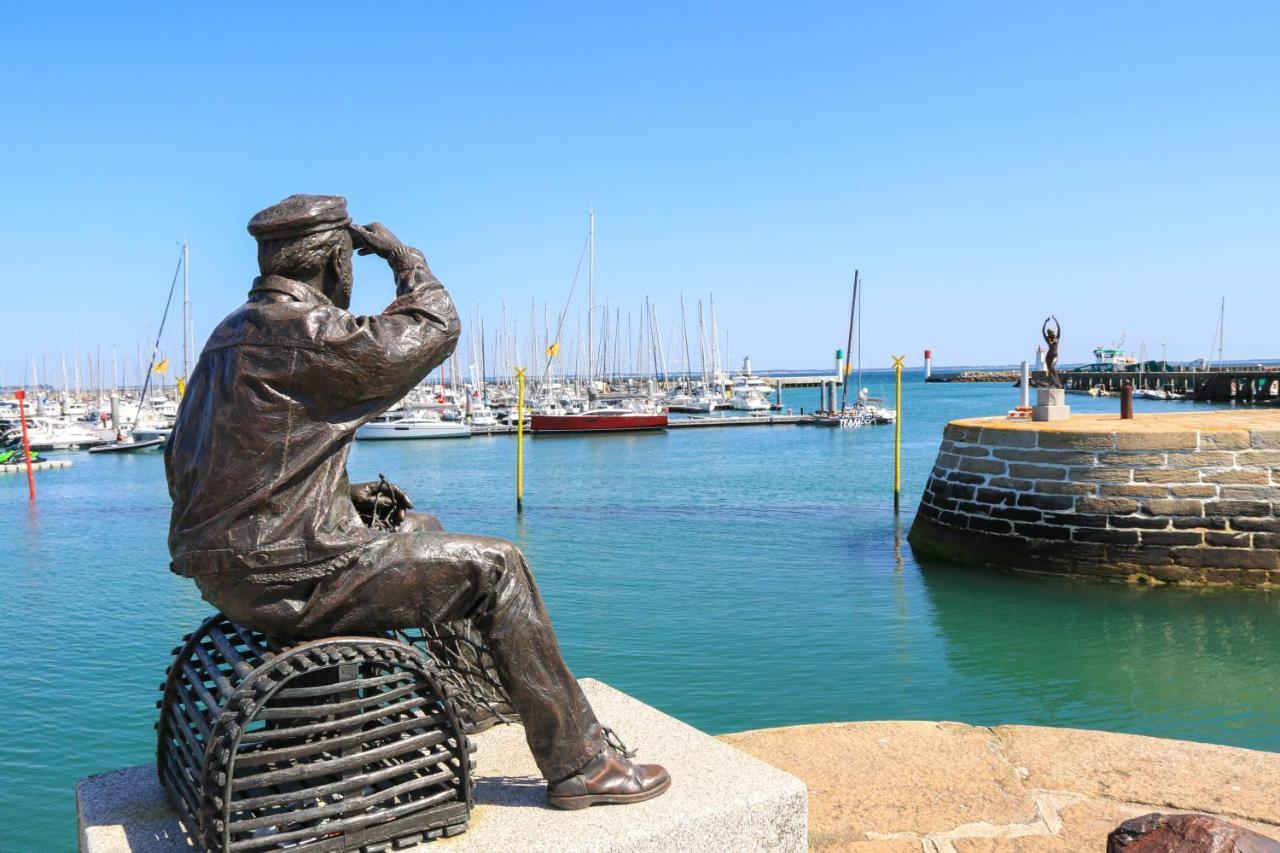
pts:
[402, 432]
[129, 446]
[596, 423]
[45, 444]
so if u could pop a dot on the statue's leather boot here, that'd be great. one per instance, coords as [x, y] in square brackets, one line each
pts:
[610, 777]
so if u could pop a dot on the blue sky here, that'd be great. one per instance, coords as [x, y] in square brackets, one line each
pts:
[984, 164]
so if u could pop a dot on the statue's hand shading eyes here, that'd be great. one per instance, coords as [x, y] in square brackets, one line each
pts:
[375, 239]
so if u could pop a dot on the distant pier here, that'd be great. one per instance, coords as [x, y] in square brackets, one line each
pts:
[1218, 385]
[1221, 385]
[750, 420]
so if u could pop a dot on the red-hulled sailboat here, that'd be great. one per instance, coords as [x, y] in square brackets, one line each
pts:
[599, 420]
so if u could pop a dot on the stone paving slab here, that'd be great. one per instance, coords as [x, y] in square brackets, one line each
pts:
[1222, 780]
[720, 798]
[947, 771]
[952, 788]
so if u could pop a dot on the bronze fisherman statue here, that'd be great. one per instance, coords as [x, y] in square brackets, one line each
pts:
[268, 526]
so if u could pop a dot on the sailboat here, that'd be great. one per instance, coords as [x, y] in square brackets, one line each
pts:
[152, 422]
[866, 410]
[596, 417]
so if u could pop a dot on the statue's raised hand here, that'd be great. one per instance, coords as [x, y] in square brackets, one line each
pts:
[375, 239]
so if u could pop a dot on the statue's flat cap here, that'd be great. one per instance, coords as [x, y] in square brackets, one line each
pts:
[299, 215]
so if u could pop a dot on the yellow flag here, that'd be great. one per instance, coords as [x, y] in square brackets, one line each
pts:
[848, 368]
[553, 350]
[161, 367]
[182, 387]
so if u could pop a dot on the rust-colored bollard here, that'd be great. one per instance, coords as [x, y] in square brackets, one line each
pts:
[1126, 402]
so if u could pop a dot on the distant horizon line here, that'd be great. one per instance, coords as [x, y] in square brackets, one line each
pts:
[769, 373]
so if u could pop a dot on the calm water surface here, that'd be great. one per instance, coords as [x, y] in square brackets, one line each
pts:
[736, 578]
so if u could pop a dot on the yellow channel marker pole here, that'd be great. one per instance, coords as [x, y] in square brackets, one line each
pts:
[897, 433]
[520, 441]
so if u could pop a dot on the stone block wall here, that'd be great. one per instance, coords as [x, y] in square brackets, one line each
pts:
[1162, 505]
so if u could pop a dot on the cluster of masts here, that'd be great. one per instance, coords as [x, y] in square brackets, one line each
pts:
[108, 412]
[451, 396]
[615, 360]
[70, 421]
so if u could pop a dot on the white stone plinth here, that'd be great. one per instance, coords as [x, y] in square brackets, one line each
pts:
[1051, 405]
[720, 798]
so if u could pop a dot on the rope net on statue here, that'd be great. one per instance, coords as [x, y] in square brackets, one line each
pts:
[466, 666]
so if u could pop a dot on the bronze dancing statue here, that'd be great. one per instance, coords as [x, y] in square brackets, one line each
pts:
[268, 526]
[1051, 339]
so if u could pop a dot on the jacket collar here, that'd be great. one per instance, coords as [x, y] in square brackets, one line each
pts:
[296, 289]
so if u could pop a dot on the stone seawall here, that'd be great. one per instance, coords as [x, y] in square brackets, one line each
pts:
[1178, 498]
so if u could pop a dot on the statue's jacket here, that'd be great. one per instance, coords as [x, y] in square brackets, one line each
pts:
[257, 459]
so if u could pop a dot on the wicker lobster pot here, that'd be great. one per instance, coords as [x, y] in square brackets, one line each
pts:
[344, 743]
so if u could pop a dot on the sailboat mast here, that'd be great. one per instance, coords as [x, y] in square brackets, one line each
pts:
[702, 345]
[859, 312]
[599, 365]
[480, 346]
[618, 350]
[848, 346]
[684, 333]
[591, 294]
[186, 313]
[715, 344]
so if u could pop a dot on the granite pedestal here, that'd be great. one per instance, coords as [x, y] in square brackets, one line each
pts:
[1051, 405]
[720, 798]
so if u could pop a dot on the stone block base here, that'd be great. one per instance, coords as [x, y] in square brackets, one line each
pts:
[720, 798]
[1050, 413]
[1051, 405]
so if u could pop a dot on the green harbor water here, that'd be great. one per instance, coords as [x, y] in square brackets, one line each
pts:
[735, 578]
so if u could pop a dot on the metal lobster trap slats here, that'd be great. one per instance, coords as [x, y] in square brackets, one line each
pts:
[346, 743]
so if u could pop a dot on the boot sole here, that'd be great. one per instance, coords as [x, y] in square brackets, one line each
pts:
[582, 802]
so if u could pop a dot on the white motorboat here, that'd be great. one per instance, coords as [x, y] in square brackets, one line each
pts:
[47, 434]
[151, 433]
[695, 403]
[748, 396]
[407, 425]
[750, 392]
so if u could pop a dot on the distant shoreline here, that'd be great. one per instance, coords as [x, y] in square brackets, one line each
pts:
[1005, 376]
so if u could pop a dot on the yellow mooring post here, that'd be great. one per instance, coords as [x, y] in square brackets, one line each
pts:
[520, 441]
[897, 433]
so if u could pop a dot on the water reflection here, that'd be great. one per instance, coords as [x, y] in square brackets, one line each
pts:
[1178, 663]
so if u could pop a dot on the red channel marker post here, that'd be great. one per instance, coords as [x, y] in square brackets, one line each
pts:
[26, 444]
